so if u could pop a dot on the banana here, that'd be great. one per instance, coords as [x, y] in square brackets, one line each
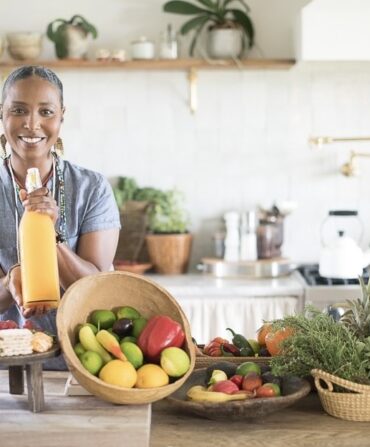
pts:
[200, 394]
[90, 343]
[110, 343]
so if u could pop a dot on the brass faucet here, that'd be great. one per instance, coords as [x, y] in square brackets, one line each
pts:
[348, 169]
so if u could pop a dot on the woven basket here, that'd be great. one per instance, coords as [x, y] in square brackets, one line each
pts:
[110, 291]
[203, 361]
[351, 406]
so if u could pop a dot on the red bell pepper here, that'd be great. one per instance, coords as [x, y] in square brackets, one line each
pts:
[160, 332]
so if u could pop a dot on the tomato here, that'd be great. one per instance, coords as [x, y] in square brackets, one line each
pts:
[262, 332]
[273, 340]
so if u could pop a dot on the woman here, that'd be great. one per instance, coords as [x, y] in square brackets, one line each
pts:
[80, 202]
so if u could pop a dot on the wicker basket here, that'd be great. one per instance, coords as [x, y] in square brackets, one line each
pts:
[353, 406]
[203, 361]
[110, 291]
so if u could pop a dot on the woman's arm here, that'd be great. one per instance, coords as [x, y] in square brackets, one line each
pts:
[6, 299]
[95, 253]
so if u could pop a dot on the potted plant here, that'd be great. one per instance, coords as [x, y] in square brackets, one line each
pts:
[230, 28]
[167, 240]
[71, 36]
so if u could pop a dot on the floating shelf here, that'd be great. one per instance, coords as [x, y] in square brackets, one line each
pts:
[159, 64]
[189, 65]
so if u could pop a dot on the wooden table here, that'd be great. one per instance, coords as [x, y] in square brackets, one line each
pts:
[69, 421]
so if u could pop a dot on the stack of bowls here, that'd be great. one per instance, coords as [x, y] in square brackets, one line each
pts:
[24, 45]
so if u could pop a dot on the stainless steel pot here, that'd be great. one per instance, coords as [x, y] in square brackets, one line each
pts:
[264, 268]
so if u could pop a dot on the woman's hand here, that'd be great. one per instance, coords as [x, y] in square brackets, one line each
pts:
[15, 288]
[40, 201]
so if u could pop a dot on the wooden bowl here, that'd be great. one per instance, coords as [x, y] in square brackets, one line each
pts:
[293, 389]
[137, 267]
[110, 291]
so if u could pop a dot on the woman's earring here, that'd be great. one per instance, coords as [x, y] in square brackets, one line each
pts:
[3, 145]
[58, 146]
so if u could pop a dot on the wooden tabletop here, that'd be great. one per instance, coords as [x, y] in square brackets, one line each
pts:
[87, 421]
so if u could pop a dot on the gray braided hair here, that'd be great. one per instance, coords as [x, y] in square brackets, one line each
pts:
[27, 71]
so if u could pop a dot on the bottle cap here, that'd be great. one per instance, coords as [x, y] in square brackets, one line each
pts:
[33, 180]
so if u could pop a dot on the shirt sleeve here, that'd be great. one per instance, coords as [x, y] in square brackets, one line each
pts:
[102, 214]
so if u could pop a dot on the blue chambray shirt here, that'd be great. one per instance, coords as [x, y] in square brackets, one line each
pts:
[90, 206]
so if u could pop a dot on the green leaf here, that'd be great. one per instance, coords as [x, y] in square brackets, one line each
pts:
[246, 23]
[85, 25]
[193, 23]
[208, 3]
[50, 29]
[195, 38]
[181, 7]
[242, 2]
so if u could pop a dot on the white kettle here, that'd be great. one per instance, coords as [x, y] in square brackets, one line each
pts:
[343, 257]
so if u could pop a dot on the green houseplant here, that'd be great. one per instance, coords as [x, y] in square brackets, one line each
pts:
[70, 36]
[168, 240]
[227, 24]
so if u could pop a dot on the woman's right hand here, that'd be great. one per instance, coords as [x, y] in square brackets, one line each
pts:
[15, 288]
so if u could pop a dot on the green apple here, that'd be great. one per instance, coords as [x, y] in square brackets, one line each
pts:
[138, 326]
[244, 368]
[175, 361]
[92, 361]
[79, 349]
[102, 318]
[127, 312]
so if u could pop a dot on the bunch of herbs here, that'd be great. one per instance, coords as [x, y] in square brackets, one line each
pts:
[319, 342]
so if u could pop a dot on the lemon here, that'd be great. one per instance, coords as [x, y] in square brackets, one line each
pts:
[117, 372]
[151, 376]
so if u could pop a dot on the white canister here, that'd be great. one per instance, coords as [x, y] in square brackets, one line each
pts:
[142, 49]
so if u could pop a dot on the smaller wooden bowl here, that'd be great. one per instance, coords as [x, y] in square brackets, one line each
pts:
[110, 291]
[293, 389]
[138, 268]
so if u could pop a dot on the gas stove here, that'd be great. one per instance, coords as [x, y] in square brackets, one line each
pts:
[322, 292]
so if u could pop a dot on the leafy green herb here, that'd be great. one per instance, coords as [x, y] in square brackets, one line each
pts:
[319, 342]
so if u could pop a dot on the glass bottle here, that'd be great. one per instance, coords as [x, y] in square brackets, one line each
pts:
[168, 46]
[38, 255]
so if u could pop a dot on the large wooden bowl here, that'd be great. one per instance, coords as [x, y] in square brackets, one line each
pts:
[110, 291]
[293, 389]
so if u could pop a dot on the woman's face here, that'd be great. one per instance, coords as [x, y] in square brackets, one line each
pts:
[32, 116]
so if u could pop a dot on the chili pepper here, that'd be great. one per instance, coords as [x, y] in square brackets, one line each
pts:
[228, 347]
[160, 332]
[239, 340]
[247, 352]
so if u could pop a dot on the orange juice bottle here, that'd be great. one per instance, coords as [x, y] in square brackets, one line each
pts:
[38, 253]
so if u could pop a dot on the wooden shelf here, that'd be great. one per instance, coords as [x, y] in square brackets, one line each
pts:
[177, 64]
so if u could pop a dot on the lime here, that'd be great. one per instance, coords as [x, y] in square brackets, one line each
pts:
[127, 312]
[138, 326]
[129, 338]
[79, 349]
[102, 319]
[247, 367]
[133, 353]
[92, 361]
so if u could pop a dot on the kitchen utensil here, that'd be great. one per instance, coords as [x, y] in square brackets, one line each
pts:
[263, 268]
[341, 256]
[110, 291]
[293, 389]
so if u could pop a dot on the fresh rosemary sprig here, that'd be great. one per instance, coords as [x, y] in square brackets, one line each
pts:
[319, 342]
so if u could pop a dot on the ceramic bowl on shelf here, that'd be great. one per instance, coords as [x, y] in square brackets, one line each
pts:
[111, 291]
[293, 389]
[24, 45]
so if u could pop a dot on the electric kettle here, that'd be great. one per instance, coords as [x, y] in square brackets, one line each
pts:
[341, 257]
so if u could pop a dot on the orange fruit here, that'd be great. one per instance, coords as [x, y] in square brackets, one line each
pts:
[273, 340]
[117, 372]
[151, 376]
[262, 332]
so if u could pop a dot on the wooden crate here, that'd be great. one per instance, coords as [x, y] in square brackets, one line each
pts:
[203, 361]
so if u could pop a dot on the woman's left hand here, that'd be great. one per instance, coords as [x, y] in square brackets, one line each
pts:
[40, 201]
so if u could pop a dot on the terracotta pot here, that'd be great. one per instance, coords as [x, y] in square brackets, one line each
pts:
[169, 253]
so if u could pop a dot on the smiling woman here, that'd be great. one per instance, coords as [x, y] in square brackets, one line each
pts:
[79, 202]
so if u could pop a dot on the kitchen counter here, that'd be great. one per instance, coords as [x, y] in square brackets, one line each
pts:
[213, 304]
[195, 284]
[88, 421]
